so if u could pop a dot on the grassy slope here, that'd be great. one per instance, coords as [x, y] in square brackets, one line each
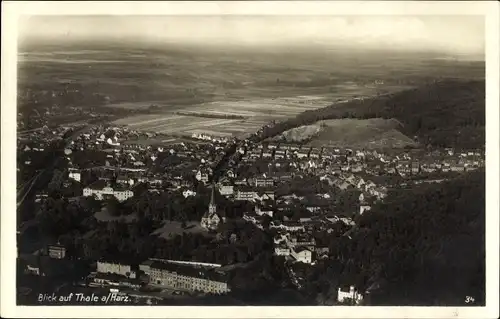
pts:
[357, 133]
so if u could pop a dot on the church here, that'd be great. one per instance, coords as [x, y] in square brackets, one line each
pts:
[211, 219]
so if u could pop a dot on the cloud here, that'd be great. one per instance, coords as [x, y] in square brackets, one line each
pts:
[457, 34]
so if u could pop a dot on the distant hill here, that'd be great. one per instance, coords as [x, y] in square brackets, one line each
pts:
[448, 113]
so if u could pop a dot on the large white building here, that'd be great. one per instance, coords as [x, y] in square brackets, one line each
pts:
[100, 193]
[302, 254]
[185, 277]
[115, 268]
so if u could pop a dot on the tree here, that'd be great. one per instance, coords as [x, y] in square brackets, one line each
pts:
[113, 206]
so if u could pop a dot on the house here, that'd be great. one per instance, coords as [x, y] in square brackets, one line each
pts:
[187, 193]
[302, 255]
[280, 154]
[281, 251]
[350, 295]
[272, 146]
[226, 190]
[267, 195]
[313, 208]
[241, 182]
[56, 251]
[122, 179]
[75, 175]
[245, 194]
[303, 153]
[364, 208]
[202, 176]
[301, 240]
[457, 167]
[264, 182]
[267, 153]
[292, 226]
[282, 176]
[230, 173]
[261, 210]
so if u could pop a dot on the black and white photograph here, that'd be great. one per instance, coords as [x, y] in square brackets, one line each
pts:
[230, 159]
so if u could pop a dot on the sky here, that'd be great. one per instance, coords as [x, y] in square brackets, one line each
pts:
[461, 35]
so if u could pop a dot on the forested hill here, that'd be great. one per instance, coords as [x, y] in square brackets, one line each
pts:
[448, 113]
[427, 246]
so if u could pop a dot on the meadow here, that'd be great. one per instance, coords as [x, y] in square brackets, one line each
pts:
[374, 133]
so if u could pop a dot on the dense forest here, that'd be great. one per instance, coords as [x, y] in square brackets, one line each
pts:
[425, 246]
[448, 113]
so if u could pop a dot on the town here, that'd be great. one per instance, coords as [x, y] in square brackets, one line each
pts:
[162, 221]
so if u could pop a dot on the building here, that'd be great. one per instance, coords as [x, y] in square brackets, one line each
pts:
[121, 193]
[282, 251]
[125, 180]
[364, 208]
[289, 226]
[263, 210]
[264, 182]
[115, 281]
[125, 270]
[267, 195]
[185, 277]
[202, 176]
[243, 194]
[226, 190]
[302, 254]
[187, 193]
[301, 240]
[211, 219]
[75, 175]
[350, 295]
[57, 251]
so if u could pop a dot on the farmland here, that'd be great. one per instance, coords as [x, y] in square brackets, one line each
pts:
[181, 90]
[203, 118]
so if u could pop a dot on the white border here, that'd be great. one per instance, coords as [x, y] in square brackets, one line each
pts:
[12, 10]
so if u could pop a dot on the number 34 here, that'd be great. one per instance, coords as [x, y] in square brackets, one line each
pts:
[469, 299]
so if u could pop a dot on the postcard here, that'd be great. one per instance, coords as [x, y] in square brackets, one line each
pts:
[315, 159]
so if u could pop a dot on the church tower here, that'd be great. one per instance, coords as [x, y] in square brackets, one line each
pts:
[212, 208]
[211, 218]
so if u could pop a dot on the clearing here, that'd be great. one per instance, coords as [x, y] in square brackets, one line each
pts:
[354, 133]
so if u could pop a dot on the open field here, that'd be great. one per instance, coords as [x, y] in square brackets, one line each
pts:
[356, 133]
[257, 113]
[172, 228]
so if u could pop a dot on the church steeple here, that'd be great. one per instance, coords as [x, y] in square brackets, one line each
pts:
[212, 208]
